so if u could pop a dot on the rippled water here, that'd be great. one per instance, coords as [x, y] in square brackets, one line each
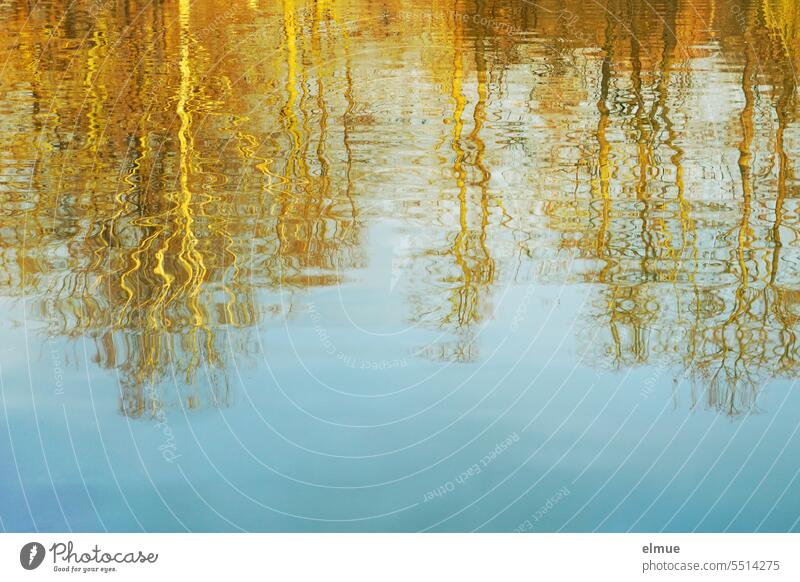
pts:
[498, 265]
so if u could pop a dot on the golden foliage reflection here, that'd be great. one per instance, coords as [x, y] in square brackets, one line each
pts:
[175, 173]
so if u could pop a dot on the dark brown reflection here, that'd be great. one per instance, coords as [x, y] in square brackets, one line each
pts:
[176, 173]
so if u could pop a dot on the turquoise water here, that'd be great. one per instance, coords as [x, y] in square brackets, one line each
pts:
[341, 266]
[370, 451]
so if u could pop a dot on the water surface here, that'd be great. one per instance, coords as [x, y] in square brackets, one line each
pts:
[398, 266]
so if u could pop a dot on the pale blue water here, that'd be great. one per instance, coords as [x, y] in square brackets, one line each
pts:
[356, 267]
[290, 455]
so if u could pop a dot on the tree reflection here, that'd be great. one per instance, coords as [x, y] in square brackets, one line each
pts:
[174, 175]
